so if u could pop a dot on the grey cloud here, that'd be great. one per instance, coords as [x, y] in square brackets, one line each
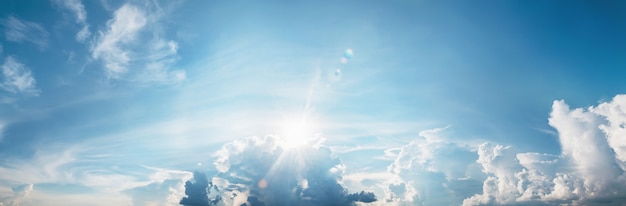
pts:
[362, 196]
[198, 191]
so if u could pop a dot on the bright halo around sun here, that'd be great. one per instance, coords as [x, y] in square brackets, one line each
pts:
[296, 134]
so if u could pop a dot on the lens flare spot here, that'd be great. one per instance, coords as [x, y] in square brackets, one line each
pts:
[304, 183]
[262, 184]
[344, 60]
[348, 54]
[338, 72]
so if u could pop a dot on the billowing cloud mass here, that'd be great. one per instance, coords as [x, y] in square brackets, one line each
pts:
[435, 170]
[18, 30]
[17, 78]
[259, 171]
[133, 38]
[432, 170]
[589, 170]
[77, 8]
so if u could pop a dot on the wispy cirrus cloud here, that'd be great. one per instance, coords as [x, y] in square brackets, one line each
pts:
[103, 183]
[122, 29]
[17, 78]
[133, 38]
[19, 30]
[78, 9]
[2, 125]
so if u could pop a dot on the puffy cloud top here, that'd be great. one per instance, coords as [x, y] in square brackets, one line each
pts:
[259, 171]
[590, 169]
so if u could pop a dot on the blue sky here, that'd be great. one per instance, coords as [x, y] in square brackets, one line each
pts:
[442, 103]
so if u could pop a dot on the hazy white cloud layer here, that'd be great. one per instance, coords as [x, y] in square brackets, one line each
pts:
[19, 30]
[17, 78]
[20, 192]
[38, 180]
[132, 39]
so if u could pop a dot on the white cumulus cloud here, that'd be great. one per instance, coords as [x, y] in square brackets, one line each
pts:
[433, 171]
[589, 170]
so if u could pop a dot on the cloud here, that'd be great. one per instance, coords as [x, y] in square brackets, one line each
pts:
[77, 8]
[18, 30]
[165, 187]
[122, 29]
[100, 179]
[20, 193]
[133, 39]
[260, 171]
[17, 78]
[431, 170]
[197, 191]
[2, 125]
[589, 170]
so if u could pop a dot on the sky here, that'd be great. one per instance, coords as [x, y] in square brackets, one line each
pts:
[312, 102]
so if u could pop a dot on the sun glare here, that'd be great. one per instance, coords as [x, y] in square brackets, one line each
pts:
[296, 134]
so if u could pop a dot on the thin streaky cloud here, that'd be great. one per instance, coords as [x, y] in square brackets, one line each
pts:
[80, 14]
[19, 30]
[1, 131]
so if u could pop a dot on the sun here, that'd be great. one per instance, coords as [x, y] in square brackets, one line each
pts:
[296, 130]
[296, 134]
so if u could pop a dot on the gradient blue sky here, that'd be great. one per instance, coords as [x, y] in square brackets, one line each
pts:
[99, 98]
